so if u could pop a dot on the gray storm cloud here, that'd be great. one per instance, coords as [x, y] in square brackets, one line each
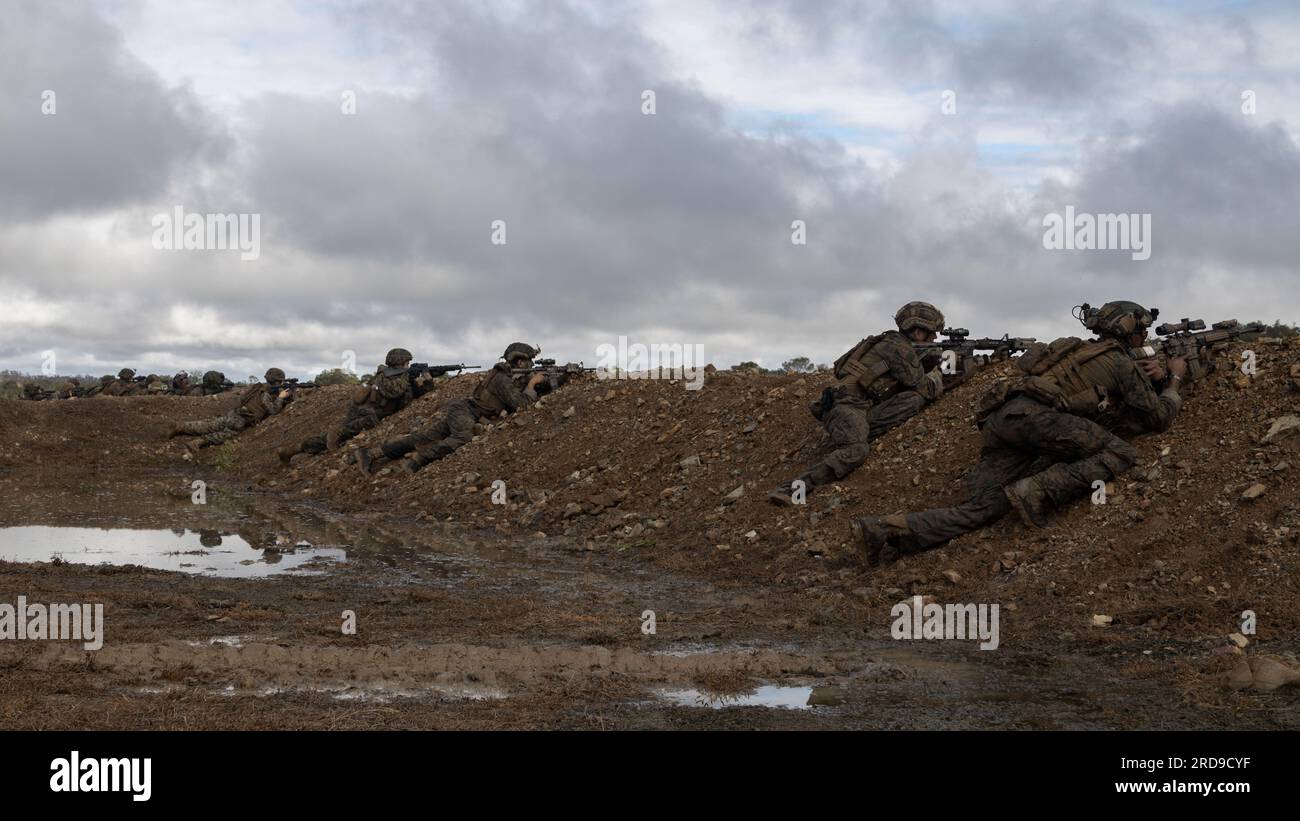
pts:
[117, 133]
[671, 227]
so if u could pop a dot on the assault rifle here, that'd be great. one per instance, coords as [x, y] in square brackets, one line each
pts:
[418, 369]
[1190, 339]
[294, 384]
[34, 393]
[548, 367]
[966, 349]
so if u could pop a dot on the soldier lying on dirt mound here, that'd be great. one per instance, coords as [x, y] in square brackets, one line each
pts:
[390, 390]
[1047, 436]
[510, 385]
[881, 383]
[124, 385]
[258, 402]
[214, 382]
[99, 387]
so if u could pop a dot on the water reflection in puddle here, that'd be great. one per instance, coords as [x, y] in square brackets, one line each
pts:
[379, 693]
[789, 698]
[207, 552]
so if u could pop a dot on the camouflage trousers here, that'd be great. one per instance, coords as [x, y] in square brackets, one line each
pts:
[359, 418]
[450, 431]
[852, 424]
[218, 429]
[1023, 438]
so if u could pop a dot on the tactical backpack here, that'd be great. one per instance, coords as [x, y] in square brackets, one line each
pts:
[867, 368]
[1054, 374]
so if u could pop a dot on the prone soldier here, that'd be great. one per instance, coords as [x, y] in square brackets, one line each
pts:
[391, 389]
[880, 383]
[124, 385]
[1048, 435]
[257, 403]
[510, 385]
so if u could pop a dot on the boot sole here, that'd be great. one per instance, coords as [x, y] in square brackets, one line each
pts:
[1026, 515]
[871, 558]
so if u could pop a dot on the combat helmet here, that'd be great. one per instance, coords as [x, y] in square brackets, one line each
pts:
[214, 379]
[919, 315]
[398, 358]
[517, 349]
[126, 374]
[274, 376]
[1118, 319]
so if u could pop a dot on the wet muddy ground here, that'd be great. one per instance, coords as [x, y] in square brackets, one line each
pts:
[457, 630]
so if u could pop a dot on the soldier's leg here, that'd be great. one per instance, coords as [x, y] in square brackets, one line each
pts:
[220, 430]
[894, 411]
[850, 431]
[1005, 457]
[457, 425]
[852, 426]
[314, 445]
[359, 418]
[985, 504]
[1079, 451]
[199, 427]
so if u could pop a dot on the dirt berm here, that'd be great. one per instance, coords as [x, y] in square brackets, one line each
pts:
[651, 468]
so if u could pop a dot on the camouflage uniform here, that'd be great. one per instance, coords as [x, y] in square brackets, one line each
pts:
[124, 385]
[502, 390]
[99, 387]
[881, 384]
[390, 390]
[258, 402]
[214, 382]
[1052, 440]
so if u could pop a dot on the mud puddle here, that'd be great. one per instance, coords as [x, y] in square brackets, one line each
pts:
[205, 552]
[770, 695]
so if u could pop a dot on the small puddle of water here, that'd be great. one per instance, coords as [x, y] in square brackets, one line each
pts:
[207, 553]
[788, 698]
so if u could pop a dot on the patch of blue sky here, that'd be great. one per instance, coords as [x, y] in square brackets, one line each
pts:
[1020, 153]
[817, 126]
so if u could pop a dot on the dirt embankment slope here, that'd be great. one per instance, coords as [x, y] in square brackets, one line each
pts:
[650, 469]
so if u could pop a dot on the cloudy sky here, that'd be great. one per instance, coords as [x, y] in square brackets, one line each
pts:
[921, 143]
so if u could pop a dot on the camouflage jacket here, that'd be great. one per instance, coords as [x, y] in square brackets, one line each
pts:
[1112, 389]
[887, 365]
[390, 390]
[261, 401]
[503, 390]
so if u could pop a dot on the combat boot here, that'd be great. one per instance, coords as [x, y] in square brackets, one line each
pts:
[1029, 498]
[287, 453]
[411, 466]
[784, 495]
[881, 539]
[368, 461]
[332, 441]
[194, 445]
